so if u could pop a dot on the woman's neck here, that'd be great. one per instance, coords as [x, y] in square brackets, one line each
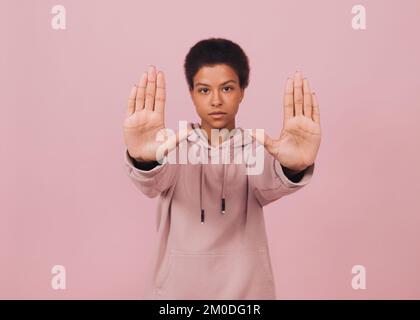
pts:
[207, 128]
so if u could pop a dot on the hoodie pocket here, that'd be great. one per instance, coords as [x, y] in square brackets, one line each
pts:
[242, 275]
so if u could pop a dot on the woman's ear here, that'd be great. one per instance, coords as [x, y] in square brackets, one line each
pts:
[242, 95]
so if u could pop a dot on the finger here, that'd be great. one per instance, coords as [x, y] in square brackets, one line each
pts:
[298, 94]
[315, 109]
[307, 99]
[160, 93]
[132, 101]
[141, 92]
[288, 100]
[150, 88]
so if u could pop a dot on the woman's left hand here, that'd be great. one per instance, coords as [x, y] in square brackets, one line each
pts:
[299, 141]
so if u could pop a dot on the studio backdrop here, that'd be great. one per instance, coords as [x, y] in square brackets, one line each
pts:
[68, 209]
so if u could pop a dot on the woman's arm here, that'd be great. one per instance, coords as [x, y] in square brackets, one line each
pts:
[274, 182]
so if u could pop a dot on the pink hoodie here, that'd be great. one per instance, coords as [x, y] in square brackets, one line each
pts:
[212, 242]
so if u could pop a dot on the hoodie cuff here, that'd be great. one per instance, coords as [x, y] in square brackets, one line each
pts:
[307, 175]
[146, 172]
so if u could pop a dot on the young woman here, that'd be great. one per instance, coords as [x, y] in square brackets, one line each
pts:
[212, 241]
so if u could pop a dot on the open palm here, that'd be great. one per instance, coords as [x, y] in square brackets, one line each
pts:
[145, 118]
[299, 141]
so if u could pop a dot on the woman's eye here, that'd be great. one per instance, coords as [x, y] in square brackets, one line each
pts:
[201, 90]
[230, 88]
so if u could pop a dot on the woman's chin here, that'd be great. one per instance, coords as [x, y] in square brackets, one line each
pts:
[218, 123]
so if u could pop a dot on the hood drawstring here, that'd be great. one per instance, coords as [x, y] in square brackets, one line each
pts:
[223, 190]
[201, 193]
[202, 184]
[223, 201]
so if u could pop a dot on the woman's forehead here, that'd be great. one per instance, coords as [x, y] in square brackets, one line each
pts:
[215, 75]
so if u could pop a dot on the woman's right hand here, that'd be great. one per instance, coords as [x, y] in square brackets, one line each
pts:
[145, 118]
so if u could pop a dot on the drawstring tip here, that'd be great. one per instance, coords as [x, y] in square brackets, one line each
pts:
[223, 205]
[202, 215]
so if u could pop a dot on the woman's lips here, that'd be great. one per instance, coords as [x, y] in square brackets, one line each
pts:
[218, 115]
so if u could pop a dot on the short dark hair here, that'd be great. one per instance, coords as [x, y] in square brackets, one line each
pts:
[212, 51]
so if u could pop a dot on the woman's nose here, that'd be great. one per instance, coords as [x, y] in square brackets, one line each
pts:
[215, 99]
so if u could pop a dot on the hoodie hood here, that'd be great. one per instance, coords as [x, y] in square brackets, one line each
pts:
[236, 140]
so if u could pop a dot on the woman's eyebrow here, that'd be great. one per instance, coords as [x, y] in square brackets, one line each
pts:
[207, 85]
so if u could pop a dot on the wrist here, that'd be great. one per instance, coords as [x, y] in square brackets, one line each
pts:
[136, 159]
[292, 171]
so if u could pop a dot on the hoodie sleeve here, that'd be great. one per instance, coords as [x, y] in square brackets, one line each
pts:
[151, 181]
[272, 183]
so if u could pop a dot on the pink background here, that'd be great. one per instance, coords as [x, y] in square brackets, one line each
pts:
[66, 198]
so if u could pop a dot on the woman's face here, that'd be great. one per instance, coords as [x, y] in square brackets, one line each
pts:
[216, 89]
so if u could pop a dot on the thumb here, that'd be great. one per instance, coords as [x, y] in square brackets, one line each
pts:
[181, 135]
[170, 141]
[261, 136]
